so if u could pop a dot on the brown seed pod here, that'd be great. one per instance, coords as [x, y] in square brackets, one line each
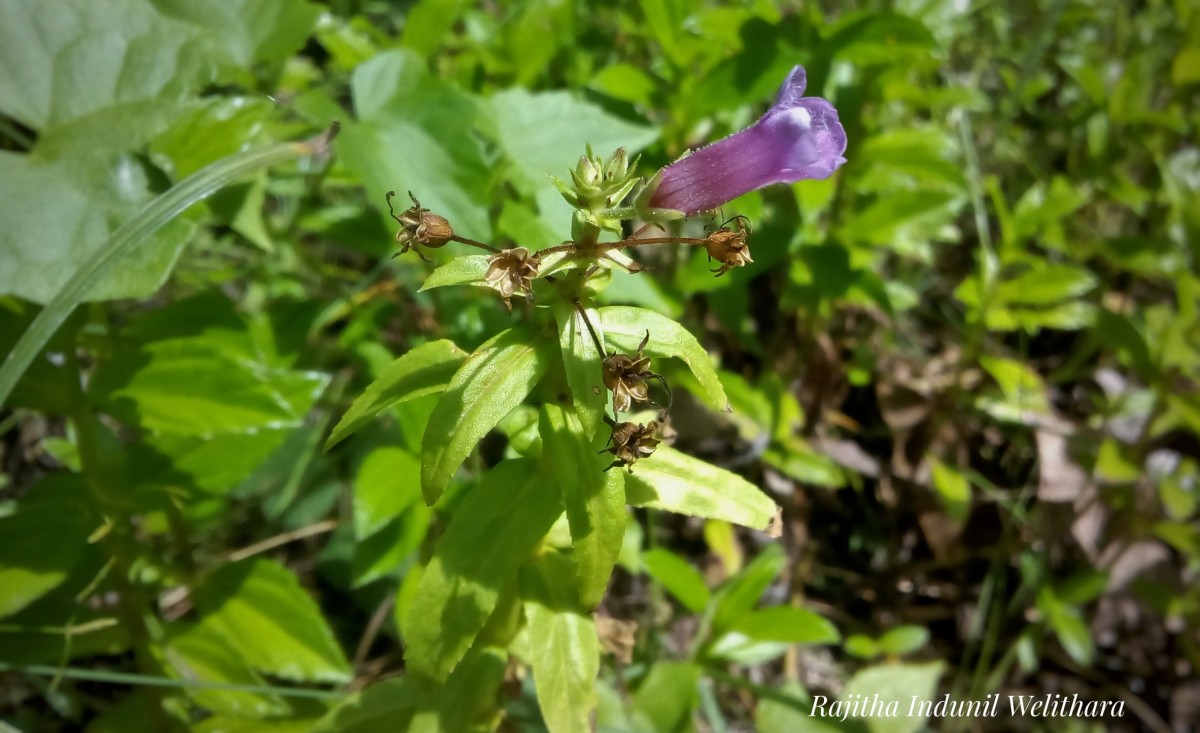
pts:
[728, 246]
[626, 376]
[631, 442]
[419, 226]
[512, 271]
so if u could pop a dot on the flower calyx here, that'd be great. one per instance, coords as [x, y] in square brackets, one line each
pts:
[627, 377]
[728, 246]
[512, 271]
[631, 442]
[419, 226]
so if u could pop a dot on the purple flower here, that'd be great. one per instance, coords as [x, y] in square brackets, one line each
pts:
[798, 138]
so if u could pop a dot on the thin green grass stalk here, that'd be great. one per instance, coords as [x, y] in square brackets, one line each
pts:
[126, 678]
[136, 230]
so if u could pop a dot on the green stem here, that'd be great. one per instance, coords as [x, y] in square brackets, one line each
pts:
[124, 678]
[133, 606]
[133, 232]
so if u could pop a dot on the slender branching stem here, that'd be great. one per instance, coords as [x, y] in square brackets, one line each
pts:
[473, 243]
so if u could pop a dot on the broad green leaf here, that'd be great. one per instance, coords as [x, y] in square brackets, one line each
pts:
[250, 30]
[861, 646]
[425, 370]
[594, 500]
[192, 388]
[1068, 625]
[741, 593]
[39, 546]
[788, 624]
[66, 59]
[739, 648]
[898, 684]
[582, 364]
[566, 655]
[465, 270]
[259, 608]
[491, 534]
[679, 578]
[1022, 389]
[469, 699]
[199, 654]
[416, 133]
[903, 640]
[381, 708]
[668, 695]
[625, 327]
[489, 384]
[678, 483]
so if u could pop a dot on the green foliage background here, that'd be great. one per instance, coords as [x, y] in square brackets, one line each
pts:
[966, 366]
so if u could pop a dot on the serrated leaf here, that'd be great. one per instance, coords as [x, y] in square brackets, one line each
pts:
[425, 370]
[625, 327]
[258, 607]
[465, 270]
[676, 482]
[582, 364]
[679, 578]
[489, 384]
[39, 546]
[788, 624]
[566, 656]
[198, 654]
[594, 500]
[493, 531]
[415, 132]
[189, 387]
[381, 708]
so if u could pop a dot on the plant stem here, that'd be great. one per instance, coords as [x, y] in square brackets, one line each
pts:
[473, 243]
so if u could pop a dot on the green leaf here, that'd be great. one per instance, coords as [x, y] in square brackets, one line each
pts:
[953, 488]
[566, 656]
[383, 707]
[861, 646]
[492, 533]
[625, 327]
[582, 364]
[488, 385]
[72, 58]
[678, 483]
[776, 716]
[542, 134]
[198, 654]
[594, 500]
[425, 370]
[668, 695]
[126, 239]
[1046, 285]
[742, 592]
[903, 640]
[250, 30]
[898, 684]
[465, 270]
[40, 544]
[259, 608]
[193, 388]
[679, 578]
[388, 482]
[416, 133]
[788, 624]
[1021, 387]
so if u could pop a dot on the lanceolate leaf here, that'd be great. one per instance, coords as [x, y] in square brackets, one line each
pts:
[625, 327]
[492, 533]
[260, 608]
[582, 364]
[594, 499]
[678, 483]
[566, 655]
[424, 370]
[493, 381]
[469, 269]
